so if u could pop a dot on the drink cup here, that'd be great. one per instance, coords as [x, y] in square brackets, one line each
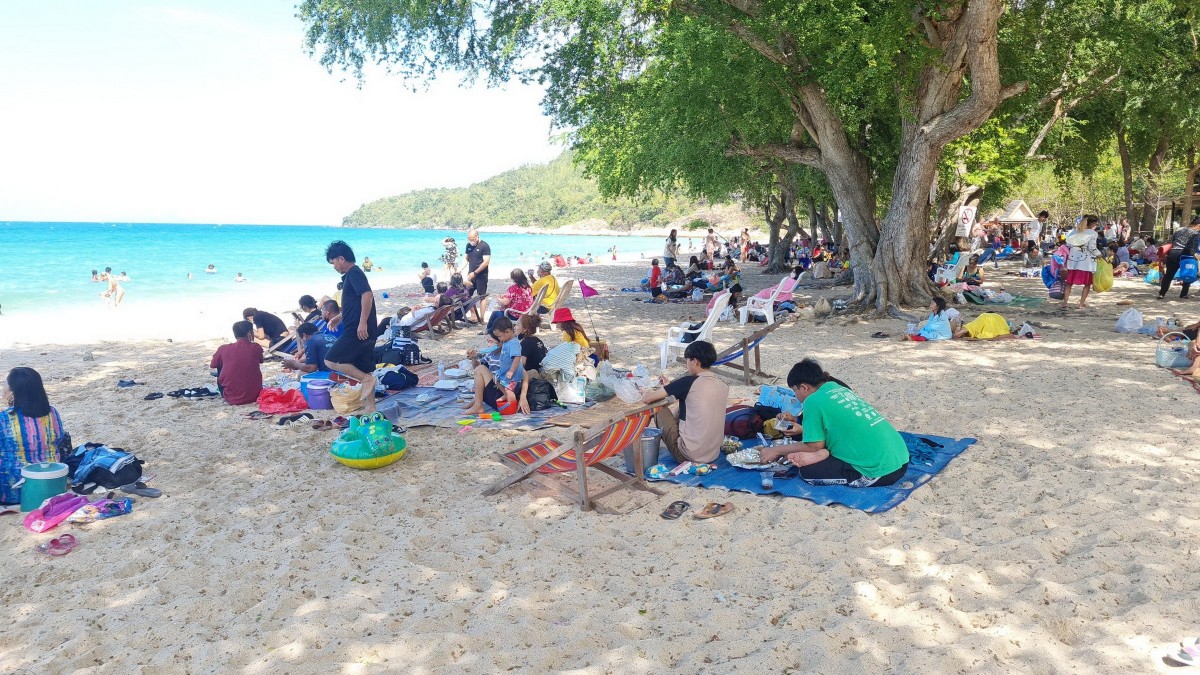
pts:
[768, 479]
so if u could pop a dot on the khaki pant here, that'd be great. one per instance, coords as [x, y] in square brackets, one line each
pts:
[670, 432]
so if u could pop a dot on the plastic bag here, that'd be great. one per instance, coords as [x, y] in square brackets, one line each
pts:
[346, 399]
[1153, 277]
[1130, 321]
[570, 388]
[1189, 269]
[278, 401]
[1102, 280]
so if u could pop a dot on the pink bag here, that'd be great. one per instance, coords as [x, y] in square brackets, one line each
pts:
[277, 401]
[54, 511]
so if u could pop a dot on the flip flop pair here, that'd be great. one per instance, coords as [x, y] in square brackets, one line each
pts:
[59, 545]
[710, 510]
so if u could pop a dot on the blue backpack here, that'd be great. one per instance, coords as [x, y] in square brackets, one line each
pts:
[1189, 270]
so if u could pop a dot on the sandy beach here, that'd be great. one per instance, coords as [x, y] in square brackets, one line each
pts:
[1059, 543]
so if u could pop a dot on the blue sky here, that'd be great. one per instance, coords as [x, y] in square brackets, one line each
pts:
[213, 112]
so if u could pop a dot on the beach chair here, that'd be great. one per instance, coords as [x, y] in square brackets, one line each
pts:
[736, 358]
[674, 343]
[563, 294]
[537, 301]
[430, 320]
[600, 442]
[766, 306]
[278, 347]
[475, 304]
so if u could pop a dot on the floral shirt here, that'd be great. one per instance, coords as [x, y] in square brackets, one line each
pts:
[519, 299]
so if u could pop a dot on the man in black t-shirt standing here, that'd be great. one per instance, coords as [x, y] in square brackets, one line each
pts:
[353, 352]
[479, 257]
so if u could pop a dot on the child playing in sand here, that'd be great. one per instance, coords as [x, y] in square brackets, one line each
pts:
[502, 389]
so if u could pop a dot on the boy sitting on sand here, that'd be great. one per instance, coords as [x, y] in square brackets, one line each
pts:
[502, 389]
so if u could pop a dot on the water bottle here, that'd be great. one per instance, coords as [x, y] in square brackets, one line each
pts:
[441, 370]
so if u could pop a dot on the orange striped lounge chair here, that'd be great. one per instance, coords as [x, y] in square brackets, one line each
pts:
[596, 444]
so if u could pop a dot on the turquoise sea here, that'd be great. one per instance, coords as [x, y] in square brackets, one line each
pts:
[48, 265]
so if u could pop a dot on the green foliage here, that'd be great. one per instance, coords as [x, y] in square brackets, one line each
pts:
[698, 224]
[547, 195]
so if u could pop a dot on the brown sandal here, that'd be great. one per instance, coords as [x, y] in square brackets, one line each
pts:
[712, 510]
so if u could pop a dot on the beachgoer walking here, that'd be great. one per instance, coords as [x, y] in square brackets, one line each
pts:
[696, 433]
[1183, 242]
[1081, 260]
[450, 255]
[236, 366]
[367, 265]
[710, 244]
[353, 352]
[845, 440]
[1033, 232]
[479, 257]
[671, 249]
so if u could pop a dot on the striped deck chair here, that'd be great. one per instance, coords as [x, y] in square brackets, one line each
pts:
[596, 444]
[737, 358]
[476, 305]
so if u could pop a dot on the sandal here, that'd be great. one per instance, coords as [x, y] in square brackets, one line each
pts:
[153, 397]
[712, 510]
[322, 425]
[675, 510]
[293, 419]
[880, 334]
[59, 545]
[258, 415]
[142, 490]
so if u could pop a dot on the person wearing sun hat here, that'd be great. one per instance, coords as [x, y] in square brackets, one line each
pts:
[572, 330]
[545, 279]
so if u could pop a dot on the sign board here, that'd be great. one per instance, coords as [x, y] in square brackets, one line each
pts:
[966, 218]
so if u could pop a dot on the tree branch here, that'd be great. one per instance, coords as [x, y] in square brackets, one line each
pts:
[792, 154]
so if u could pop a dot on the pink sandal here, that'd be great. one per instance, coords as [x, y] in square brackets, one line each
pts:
[59, 545]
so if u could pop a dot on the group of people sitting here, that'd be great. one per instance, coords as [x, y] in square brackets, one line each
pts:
[699, 278]
[839, 439]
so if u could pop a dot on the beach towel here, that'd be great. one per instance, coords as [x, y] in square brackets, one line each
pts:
[928, 456]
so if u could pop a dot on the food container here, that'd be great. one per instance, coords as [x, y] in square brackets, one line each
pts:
[40, 482]
[651, 443]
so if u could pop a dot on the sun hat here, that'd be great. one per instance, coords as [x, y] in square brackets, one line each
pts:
[562, 314]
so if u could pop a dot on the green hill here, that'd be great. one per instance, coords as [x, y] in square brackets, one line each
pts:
[538, 195]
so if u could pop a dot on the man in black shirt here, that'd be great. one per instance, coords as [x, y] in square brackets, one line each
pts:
[353, 352]
[267, 326]
[479, 257]
[1183, 243]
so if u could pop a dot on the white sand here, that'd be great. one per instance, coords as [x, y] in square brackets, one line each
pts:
[1062, 542]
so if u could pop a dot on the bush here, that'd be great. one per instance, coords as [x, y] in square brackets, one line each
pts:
[698, 224]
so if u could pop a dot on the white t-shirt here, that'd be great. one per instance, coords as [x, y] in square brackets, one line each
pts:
[1035, 231]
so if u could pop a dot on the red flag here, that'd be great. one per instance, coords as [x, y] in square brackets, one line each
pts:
[587, 291]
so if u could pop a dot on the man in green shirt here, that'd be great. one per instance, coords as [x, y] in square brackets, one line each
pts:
[845, 440]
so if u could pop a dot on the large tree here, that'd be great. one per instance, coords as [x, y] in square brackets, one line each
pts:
[872, 90]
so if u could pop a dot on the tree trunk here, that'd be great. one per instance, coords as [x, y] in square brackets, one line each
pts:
[966, 36]
[776, 213]
[779, 253]
[1127, 177]
[1189, 185]
[1150, 196]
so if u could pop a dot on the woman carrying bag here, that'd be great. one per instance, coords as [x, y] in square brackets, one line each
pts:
[1081, 260]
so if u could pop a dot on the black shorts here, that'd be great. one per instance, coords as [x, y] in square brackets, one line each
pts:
[479, 285]
[833, 471]
[493, 395]
[349, 349]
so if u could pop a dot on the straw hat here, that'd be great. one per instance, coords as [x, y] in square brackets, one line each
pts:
[561, 315]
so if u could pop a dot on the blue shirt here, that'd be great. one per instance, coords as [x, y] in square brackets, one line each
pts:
[508, 352]
[937, 327]
[316, 348]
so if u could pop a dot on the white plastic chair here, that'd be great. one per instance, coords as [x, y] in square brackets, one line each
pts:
[766, 306]
[674, 342]
[563, 294]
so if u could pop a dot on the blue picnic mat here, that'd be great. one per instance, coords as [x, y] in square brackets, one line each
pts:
[441, 409]
[925, 461]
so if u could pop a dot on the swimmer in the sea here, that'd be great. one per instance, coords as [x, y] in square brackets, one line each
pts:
[211, 269]
[239, 278]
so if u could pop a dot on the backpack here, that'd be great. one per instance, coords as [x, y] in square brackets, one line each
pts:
[399, 379]
[106, 467]
[743, 422]
[691, 337]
